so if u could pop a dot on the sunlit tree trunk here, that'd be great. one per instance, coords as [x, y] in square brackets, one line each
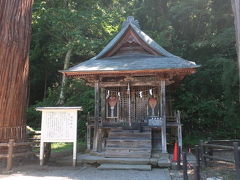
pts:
[15, 33]
[236, 13]
[64, 80]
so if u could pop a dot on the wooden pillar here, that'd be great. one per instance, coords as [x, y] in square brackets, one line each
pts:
[129, 105]
[89, 132]
[103, 116]
[99, 140]
[185, 174]
[75, 153]
[88, 137]
[96, 116]
[41, 157]
[236, 158]
[179, 130]
[163, 115]
[10, 155]
[103, 103]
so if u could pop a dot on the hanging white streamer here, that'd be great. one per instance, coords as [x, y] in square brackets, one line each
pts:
[128, 89]
[140, 94]
[108, 94]
[150, 92]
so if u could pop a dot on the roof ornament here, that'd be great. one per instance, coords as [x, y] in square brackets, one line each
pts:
[130, 20]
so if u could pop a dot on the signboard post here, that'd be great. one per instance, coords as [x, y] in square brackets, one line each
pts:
[59, 124]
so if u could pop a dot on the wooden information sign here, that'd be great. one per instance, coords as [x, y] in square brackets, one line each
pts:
[59, 124]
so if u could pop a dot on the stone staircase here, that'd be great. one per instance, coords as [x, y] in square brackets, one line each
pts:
[123, 143]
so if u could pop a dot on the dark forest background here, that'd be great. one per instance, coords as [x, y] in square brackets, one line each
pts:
[197, 30]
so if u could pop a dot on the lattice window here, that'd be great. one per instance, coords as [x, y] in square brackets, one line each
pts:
[143, 109]
[139, 106]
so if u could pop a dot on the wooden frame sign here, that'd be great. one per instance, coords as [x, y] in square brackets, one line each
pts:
[59, 124]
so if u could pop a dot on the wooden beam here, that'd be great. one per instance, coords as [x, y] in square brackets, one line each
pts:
[84, 74]
[163, 115]
[133, 83]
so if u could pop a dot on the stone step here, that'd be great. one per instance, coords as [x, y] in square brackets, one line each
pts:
[129, 135]
[129, 139]
[129, 143]
[125, 167]
[130, 153]
[130, 131]
[127, 149]
[93, 159]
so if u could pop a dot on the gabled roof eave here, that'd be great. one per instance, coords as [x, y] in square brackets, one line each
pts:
[149, 41]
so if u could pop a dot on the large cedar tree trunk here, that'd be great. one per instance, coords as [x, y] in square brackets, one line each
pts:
[15, 34]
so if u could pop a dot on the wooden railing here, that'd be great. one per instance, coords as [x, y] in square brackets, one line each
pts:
[171, 121]
[35, 138]
[206, 150]
[91, 121]
[183, 164]
[11, 154]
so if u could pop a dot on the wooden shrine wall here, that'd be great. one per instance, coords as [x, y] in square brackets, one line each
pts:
[139, 108]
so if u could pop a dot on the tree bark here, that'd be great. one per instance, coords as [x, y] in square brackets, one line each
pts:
[64, 80]
[15, 34]
[236, 13]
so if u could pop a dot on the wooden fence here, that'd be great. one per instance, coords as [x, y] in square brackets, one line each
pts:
[33, 143]
[205, 152]
[35, 138]
[185, 165]
[10, 152]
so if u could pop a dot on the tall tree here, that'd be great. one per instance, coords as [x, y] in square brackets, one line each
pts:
[15, 33]
[236, 13]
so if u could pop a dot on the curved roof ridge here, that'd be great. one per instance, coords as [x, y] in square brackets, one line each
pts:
[130, 19]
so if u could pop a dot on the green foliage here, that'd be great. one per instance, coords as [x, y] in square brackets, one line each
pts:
[77, 94]
[58, 27]
[198, 30]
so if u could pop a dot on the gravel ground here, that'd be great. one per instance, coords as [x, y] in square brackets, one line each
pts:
[34, 172]
[30, 170]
